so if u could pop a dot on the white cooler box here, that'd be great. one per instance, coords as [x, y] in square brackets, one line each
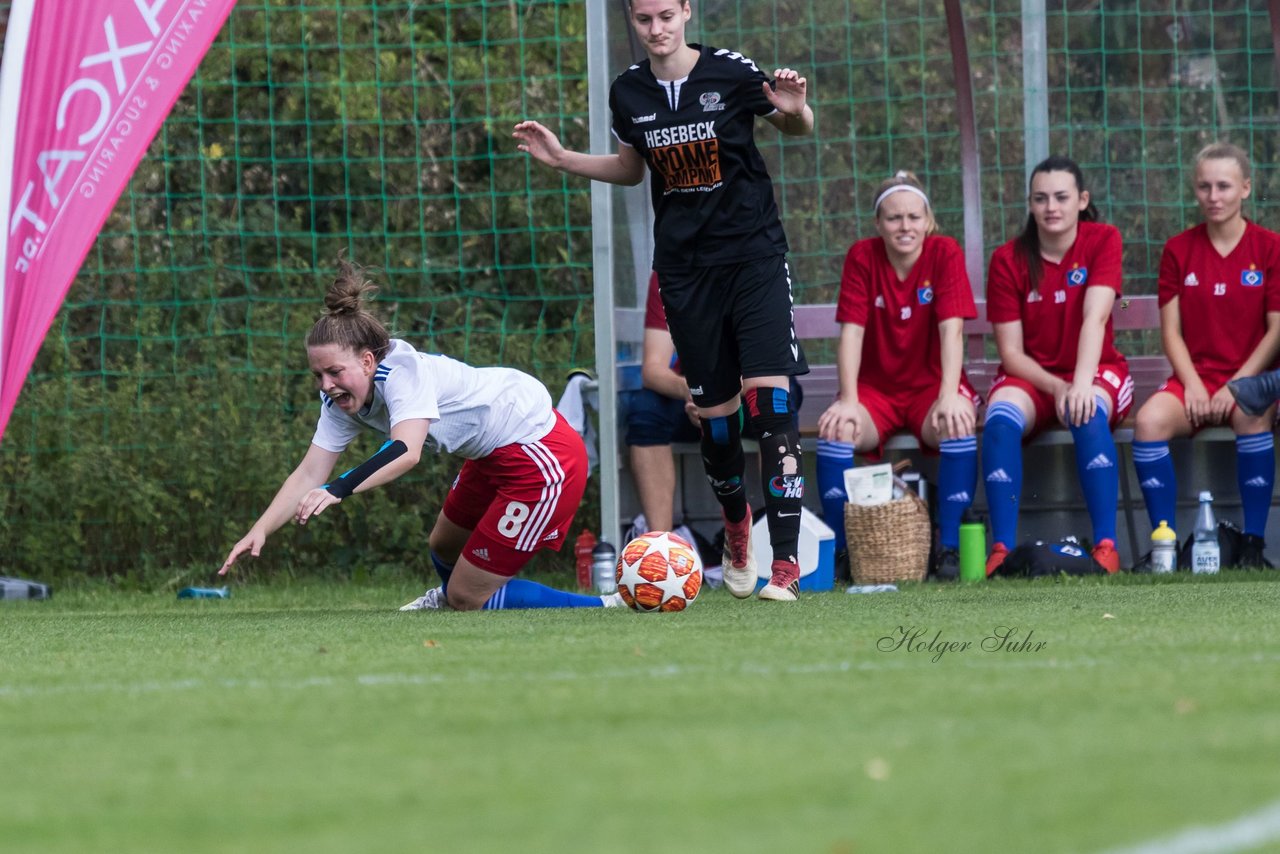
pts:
[817, 552]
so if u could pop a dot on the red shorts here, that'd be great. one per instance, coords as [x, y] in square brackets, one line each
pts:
[1212, 383]
[905, 410]
[519, 499]
[1112, 379]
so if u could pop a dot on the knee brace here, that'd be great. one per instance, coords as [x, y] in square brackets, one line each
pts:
[722, 453]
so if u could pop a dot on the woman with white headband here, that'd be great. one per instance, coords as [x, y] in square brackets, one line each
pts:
[1049, 296]
[904, 297]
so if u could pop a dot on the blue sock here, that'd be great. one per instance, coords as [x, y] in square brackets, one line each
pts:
[833, 459]
[1002, 469]
[1159, 482]
[1099, 474]
[444, 570]
[957, 481]
[518, 593]
[1256, 475]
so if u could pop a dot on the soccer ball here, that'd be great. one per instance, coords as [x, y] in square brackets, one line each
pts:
[659, 571]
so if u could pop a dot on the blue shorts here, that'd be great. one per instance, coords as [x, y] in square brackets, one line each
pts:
[655, 419]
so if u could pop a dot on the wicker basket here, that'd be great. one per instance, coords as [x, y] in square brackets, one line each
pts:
[888, 542]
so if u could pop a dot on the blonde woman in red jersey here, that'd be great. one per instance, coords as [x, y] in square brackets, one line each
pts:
[904, 297]
[1219, 320]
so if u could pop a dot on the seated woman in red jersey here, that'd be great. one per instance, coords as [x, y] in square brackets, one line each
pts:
[1219, 320]
[904, 297]
[1049, 298]
[524, 472]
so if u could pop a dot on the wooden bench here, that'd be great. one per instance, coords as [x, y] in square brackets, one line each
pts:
[820, 385]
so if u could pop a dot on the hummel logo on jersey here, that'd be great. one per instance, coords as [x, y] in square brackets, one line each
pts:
[1101, 461]
[697, 390]
[962, 497]
[1190, 281]
[733, 54]
[1152, 483]
[999, 476]
[1256, 481]
[710, 102]
[834, 492]
[635, 120]
[483, 554]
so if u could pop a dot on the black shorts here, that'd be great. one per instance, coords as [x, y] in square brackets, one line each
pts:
[731, 322]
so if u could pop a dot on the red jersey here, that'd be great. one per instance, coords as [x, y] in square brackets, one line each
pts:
[1222, 301]
[1052, 315]
[655, 316]
[901, 348]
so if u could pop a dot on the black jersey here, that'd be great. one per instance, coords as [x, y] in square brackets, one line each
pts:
[712, 198]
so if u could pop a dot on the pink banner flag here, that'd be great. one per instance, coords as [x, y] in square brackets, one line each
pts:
[83, 89]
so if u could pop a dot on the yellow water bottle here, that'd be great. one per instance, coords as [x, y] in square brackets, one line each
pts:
[1164, 549]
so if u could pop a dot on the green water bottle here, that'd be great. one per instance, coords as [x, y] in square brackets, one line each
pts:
[973, 548]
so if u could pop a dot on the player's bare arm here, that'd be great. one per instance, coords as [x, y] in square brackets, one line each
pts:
[1080, 402]
[400, 454]
[842, 420]
[789, 95]
[315, 467]
[626, 167]
[1016, 362]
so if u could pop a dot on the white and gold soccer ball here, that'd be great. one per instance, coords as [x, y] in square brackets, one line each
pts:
[659, 571]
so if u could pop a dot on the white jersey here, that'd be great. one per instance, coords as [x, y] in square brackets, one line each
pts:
[472, 410]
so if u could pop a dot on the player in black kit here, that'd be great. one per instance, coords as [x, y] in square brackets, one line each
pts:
[688, 111]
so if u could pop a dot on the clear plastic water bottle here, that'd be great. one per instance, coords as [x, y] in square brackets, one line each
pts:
[205, 593]
[18, 588]
[1205, 555]
[872, 588]
[1164, 549]
[604, 568]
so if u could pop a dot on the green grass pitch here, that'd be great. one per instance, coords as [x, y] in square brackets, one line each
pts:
[316, 718]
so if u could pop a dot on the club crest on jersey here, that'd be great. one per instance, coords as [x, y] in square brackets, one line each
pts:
[924, 295]
[710, 102]
[1077, 276]
[1251, 278]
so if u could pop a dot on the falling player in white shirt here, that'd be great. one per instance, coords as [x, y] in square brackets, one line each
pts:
[518, 490]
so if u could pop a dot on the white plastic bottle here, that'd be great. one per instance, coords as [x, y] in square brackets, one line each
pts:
[1205, 555]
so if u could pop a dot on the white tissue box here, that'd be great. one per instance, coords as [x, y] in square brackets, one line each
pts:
[869, 485]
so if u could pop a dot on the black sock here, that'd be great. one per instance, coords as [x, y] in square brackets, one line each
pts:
[781, 472]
